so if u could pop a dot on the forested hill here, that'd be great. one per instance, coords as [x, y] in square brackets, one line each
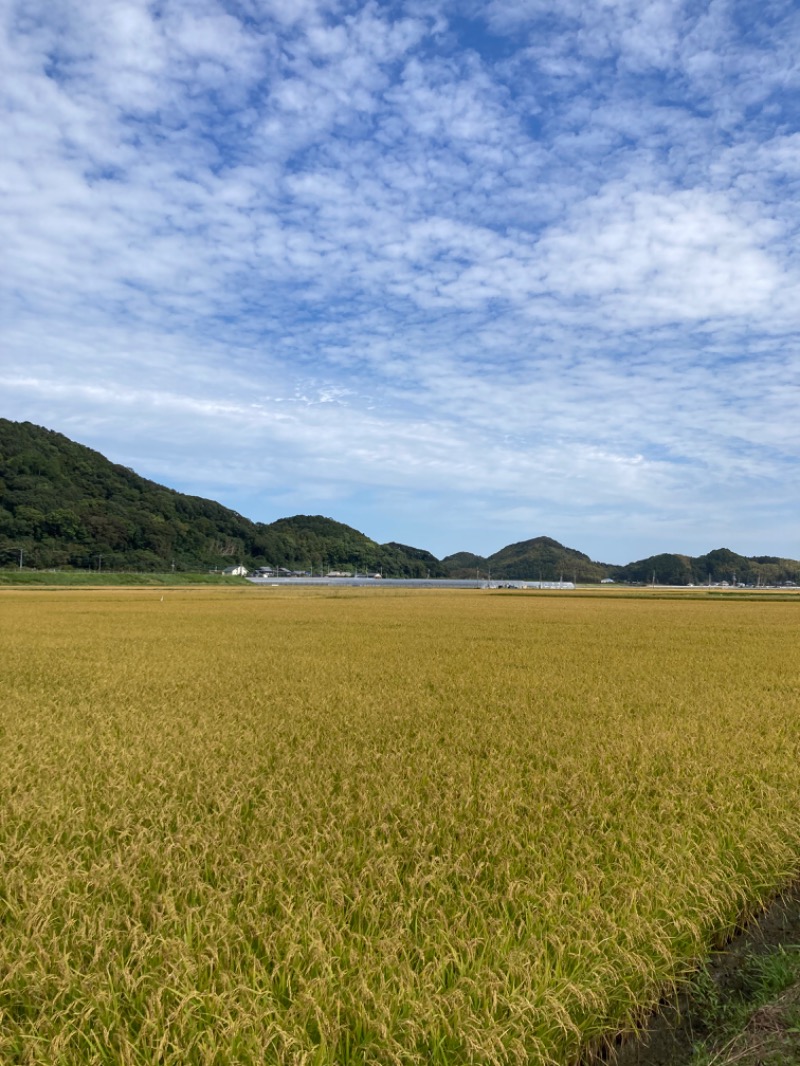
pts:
[539, 559]
[547, 560]
[714, 567]
[65, 505]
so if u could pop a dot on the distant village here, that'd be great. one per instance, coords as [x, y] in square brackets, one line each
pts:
[281, 571]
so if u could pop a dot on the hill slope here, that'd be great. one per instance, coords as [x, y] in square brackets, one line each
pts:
[541, 558]
[66, 505]
[464, 565]
[716, 566]
[544, 558]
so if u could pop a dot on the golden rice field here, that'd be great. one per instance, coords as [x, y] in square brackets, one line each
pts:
[385, 827]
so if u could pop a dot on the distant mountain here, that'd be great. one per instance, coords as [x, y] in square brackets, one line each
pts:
[318, 542]
[544, 558]
[431, 565]
[717, 566]
[65, 505]
[464, 565]
[668, 570]
[533, 560]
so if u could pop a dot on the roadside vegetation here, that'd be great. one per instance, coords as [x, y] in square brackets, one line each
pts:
[100, 579]
[334, 827]
[753, 1020]
[742, 1006]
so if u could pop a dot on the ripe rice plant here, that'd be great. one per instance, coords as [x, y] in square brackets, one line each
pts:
[386, 827]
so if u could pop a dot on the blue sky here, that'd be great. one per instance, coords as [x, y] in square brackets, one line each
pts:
[457, 274]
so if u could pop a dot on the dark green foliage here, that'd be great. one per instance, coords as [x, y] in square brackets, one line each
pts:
[545, 558]
[666, 568]
[66, 506]
[539, 559]
[322, 544]
[48, 579]
[720, 565]
[464, 564]
[414, 562]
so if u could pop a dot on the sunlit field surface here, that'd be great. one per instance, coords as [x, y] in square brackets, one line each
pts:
[287, 826]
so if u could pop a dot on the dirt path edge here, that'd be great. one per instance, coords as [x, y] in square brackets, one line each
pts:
[671, 1035]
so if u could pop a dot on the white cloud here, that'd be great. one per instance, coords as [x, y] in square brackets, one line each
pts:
[657, 257]
[552, 278]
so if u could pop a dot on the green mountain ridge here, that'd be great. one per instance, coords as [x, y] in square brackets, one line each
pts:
[64, 505]
[545, 559]
[715, 566]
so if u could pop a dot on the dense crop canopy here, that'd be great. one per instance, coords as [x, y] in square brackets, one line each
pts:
[267, 825]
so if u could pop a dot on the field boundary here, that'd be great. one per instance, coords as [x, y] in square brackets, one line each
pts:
[675, 1034]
